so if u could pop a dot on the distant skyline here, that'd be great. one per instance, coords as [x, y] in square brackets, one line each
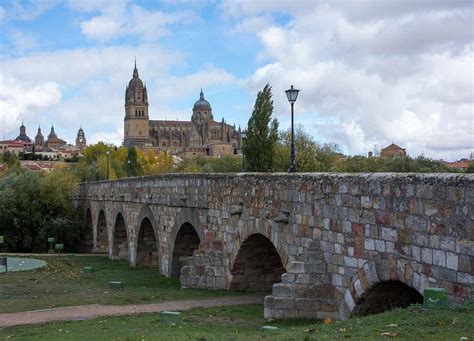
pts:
[370, 73]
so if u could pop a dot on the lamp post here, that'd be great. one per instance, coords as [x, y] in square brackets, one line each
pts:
[292, 95]
[107, 153]
[129, 168]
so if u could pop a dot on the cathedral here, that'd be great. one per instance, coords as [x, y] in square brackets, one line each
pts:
[52, 142]
[200, 136]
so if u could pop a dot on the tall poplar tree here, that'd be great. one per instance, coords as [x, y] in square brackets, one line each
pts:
[262, 134]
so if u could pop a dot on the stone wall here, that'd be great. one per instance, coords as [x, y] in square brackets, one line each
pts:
[337, 235]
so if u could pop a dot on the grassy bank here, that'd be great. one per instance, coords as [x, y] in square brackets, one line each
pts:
[61, 284]
[245, 322]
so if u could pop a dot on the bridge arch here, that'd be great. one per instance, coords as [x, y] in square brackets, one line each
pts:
[102, 235]
[120, 236]
[186, 234]
[147, 242]
[368, 293]
[87, 243]
[257, 266]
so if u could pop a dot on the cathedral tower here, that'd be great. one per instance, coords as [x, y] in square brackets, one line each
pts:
[202, 116]
[39, 139]
[136, 125]
[81, 139]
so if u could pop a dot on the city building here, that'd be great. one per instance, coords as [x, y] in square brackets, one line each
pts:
[393, 151]
[202, 135]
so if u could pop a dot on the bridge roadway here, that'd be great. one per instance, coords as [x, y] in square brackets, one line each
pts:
[321, 245]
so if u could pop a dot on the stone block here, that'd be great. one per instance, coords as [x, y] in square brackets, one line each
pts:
[303, 279]
[283, 290]
[389, 234]
[369, 244]
[427, 255]
[170, 317]
[316, 267]
[337, 280]
[287, 278]
[284, 303]
[116, 285]
[465, 278]
[297, 267]
[451, 261]
[351, 262]
[439, 258]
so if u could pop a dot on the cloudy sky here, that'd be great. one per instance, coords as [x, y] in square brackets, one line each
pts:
[370, 72]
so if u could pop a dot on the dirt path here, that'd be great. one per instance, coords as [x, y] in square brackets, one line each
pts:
[85, 312]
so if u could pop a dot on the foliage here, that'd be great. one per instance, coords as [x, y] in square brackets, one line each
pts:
[93, 166]
[262, 134]
[310, 155]
[470, 168]
[204, 164]
[35, 206]
[394, 164]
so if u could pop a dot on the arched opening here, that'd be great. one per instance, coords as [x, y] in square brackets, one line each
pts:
[102, 238]
[87, 234]
[187, 240]
[120, 249]
[385, 296]
[147, 248]
[257, 266]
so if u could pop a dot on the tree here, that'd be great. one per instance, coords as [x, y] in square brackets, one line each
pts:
[134, 166]
[13, 161]
[35, 206]
[310, 155]
[262, 134]
[470, 168]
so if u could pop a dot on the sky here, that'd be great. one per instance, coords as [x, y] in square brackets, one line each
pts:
[370, 72]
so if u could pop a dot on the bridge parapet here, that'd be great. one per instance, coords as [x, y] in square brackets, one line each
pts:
[337, 235]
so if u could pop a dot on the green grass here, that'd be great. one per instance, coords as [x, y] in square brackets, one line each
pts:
[244, 323]
[61, 284]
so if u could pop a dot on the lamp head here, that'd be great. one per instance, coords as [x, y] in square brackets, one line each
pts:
[292, 94]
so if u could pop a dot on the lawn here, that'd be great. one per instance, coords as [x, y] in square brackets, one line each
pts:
[245, 322]
[61, 284]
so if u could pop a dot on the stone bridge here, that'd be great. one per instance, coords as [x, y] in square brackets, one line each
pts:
[321, 245]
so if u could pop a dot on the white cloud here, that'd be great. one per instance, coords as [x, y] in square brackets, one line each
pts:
[19, 102]
[122, 19]
[22, 42]
[100, 28]
[371, 74]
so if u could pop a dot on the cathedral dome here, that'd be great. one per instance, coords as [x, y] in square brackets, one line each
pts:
[23, 137]
[202, 103]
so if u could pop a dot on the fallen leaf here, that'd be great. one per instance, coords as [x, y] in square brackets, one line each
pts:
[328, 321]
[392, 325]
[342, 330]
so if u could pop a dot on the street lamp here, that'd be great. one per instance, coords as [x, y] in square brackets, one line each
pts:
[129, 168]
[292, 95]
[107, 152]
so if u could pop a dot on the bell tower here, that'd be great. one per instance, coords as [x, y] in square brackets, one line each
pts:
[136, 125]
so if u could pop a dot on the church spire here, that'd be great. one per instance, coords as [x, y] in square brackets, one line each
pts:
[201, 95]
[135, 70]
